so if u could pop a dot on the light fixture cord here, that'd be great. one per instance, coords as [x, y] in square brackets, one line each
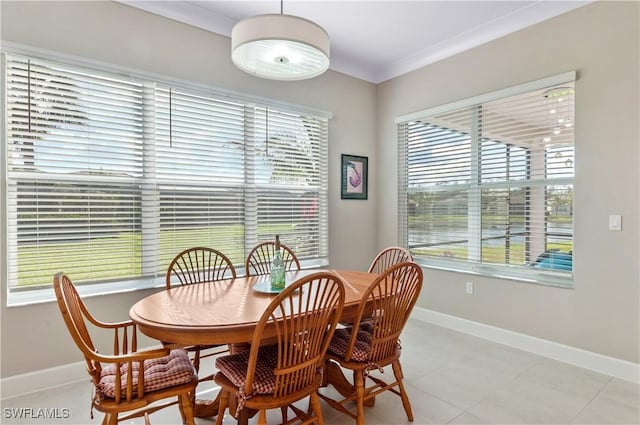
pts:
[281, 1]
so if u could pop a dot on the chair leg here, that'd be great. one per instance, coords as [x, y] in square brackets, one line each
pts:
[316, 407]
[284, 410]
[243, 417]
[222, 406]
[113, 419]
[181, 408]
[262, 417]
[359, 383]
[186, 408]
[397, 371]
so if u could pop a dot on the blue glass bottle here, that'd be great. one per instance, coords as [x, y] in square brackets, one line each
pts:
[277, 267]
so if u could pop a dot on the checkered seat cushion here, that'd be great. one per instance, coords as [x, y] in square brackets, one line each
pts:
[361, 348]
[164, 372]
[234, 367]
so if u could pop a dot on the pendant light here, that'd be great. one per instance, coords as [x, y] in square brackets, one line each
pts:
[280, 47]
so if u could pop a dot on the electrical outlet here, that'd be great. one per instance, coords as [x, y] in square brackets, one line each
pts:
[469, 287]
[615, 222]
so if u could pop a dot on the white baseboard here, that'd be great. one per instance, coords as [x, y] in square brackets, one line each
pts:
[578, 357]
[38, 380]
[26, 383]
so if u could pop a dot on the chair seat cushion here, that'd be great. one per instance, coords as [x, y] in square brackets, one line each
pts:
[234, 367]
[163, 372]
[362, 346]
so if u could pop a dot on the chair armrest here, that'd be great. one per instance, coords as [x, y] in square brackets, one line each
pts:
[132, 357]
[125, 342]
[109, 325]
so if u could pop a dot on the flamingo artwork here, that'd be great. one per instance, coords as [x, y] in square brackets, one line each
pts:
[355, 178]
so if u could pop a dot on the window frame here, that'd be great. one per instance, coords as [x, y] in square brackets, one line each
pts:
[44, 294]
[501, 271]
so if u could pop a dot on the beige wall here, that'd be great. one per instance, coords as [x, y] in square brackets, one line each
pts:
[33, 337]
[601, 42]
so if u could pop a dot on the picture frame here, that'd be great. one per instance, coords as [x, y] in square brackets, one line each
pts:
[354, 177]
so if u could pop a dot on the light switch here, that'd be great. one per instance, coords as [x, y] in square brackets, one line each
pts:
[615, 222]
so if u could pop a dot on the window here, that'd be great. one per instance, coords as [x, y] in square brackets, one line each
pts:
[486, 184]
[108, 177]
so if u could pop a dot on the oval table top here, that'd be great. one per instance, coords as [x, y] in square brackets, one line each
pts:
[226, 311]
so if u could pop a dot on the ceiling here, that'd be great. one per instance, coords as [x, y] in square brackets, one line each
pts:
[378, 40]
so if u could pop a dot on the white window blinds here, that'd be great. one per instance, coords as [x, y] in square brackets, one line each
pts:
[488, 186]
[74, 157]
[109, 177]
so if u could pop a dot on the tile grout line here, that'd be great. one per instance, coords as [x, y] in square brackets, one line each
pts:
[505, 384]
[592, 398]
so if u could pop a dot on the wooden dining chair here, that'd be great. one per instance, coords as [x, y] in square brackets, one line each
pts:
[165, 373]
[372, 342]
[259, 259]
[199, 265]
[388, 257]
[302, 318]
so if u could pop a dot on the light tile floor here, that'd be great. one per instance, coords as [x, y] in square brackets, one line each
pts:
[452, 378]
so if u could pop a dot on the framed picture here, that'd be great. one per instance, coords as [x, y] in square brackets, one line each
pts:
[354, 177]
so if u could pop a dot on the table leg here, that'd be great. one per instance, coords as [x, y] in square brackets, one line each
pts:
[209, 408]
[206, 408]
[336, 378]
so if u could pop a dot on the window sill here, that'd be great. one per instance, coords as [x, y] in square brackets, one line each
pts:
[546, 278]
[44, 295]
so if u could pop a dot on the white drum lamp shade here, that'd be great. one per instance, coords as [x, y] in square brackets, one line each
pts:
[280, 47]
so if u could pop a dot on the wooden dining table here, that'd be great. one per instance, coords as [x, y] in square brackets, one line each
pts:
[226, 312]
